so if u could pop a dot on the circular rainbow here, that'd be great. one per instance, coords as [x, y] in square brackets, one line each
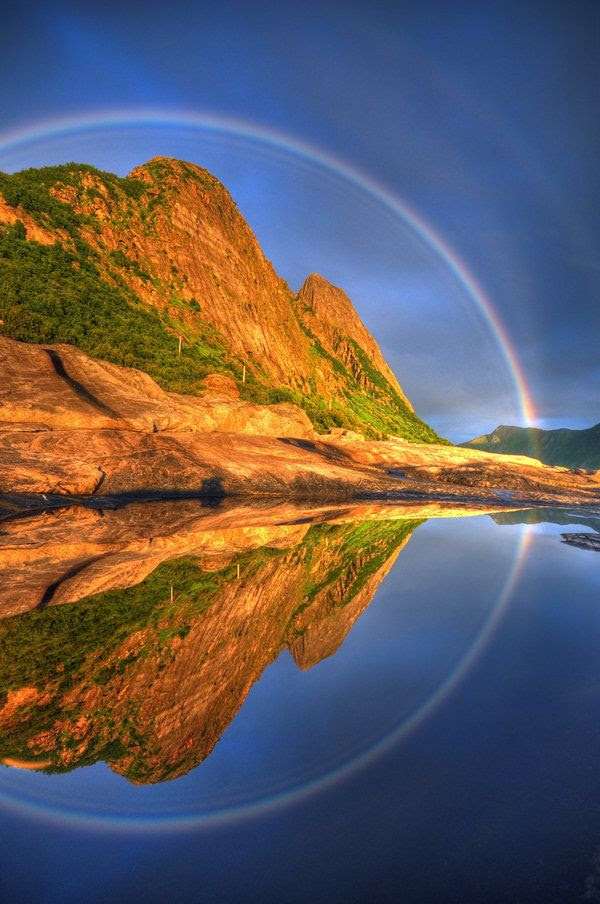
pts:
[216, 123]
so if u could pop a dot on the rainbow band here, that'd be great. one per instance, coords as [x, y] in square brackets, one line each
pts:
[240, 128]
[227, 125]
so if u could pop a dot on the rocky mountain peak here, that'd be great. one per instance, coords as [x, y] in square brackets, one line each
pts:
[160, 271]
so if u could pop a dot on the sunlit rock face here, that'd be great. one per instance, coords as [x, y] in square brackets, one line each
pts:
[327, 313]
[58, 387]
[160, 271]
[74, 426]
[147, 674]
[161, 354]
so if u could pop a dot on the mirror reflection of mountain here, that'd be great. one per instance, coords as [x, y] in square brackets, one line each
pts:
[174, 612]
[587, 516]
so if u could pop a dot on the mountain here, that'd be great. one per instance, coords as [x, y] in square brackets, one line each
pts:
[555, 516]
[149, 350]
[569, 448]
[159, 271]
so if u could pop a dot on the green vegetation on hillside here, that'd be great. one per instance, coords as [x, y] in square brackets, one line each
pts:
[52, 645]
[31, 190]
[50, 293]
[361, 550]
[568, 448]
[61, 647]
[377, 412]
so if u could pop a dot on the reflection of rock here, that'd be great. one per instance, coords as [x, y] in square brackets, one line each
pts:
[583, 541]
[190, 605]
[64, 555]
[322, 627]
[148, 684]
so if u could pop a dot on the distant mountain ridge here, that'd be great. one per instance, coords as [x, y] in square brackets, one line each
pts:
[569, 448]
[159, 271]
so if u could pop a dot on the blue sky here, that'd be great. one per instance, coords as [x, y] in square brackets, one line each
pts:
[482, 117]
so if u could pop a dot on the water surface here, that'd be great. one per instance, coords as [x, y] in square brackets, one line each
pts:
[344, 706]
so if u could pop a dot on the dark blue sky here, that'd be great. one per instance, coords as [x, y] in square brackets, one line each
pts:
[482, 117]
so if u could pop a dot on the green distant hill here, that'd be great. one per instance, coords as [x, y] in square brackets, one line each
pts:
[569, 448]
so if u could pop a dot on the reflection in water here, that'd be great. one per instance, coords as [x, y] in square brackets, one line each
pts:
[133, 636]
[503, 687]
[173, 614]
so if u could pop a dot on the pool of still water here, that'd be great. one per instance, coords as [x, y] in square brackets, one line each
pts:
[448, 752]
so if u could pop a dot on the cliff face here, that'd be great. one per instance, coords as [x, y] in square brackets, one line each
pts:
[189, 237]
[163, 258]
[328, 314]
[148, 681]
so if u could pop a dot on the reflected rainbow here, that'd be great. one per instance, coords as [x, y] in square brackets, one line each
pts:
[270, 803]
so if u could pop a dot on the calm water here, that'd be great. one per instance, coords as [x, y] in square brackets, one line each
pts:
[326, 722]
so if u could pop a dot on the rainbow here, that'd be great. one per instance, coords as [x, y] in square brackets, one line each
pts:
[227, 125]
[211, 122]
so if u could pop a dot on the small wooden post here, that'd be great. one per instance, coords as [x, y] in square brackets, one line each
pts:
[244, 374]
[171, 593]
[238, 570]
[179, 347]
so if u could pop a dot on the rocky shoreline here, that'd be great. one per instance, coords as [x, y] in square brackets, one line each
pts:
[86, 429]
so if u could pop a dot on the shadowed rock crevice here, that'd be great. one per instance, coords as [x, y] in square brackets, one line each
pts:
[212, 492]
[52, 589]
[82, 391]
